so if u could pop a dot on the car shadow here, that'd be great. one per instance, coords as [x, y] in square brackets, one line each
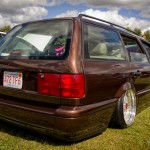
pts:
[27, 134]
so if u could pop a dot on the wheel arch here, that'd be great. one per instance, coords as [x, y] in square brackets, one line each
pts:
[123, 88]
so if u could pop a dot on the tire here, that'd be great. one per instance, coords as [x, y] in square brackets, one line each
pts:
[125, 110]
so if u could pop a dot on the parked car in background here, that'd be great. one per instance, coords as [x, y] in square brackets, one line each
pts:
[69, 77]
[2, 34]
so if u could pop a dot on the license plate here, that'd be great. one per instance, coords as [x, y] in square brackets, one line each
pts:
[12, 79]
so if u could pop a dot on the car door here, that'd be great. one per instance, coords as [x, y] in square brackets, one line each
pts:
[104, 54]
[140, 68]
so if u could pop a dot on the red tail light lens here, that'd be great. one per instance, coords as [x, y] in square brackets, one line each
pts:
[64, 85]
[72, 85]
[49, 84]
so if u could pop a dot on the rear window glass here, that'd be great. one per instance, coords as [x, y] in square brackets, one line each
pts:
[39, 40]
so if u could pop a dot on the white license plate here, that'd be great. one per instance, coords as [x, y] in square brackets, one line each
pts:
[12, 79]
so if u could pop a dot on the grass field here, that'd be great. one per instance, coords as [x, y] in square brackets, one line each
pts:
[137, 137]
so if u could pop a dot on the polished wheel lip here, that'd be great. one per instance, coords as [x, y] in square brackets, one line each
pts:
[129, 106]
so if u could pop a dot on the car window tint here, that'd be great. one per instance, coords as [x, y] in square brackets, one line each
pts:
[38, 40]
[135, 52]
[100, 43]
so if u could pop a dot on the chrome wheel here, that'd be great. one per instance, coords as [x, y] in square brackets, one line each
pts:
[129, 107]
[125, 109]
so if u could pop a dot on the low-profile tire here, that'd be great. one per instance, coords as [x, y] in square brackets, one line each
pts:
[125, 110]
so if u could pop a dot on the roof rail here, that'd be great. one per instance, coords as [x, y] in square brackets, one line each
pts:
[101, 20]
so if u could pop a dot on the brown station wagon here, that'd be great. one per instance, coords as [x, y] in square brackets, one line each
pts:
[69, 77]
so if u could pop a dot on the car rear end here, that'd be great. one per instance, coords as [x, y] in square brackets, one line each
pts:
[42, 81]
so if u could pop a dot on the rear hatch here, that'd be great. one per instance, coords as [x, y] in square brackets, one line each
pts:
[31, 54]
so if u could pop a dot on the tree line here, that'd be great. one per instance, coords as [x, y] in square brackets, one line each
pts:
[145, 35]
[5, 28]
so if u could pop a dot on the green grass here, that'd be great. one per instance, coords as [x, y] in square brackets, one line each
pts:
[137, 137]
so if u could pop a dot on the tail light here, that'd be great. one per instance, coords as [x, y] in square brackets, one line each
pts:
[49, 84]
[63, 85]
[72, 85]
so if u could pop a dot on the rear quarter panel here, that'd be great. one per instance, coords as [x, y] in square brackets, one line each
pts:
[104, 79]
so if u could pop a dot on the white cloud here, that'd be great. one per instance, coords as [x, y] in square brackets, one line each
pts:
[111, 16]
[4, 21]
[9, 6]
[17, 11]
[28, 14]
[12, 6]
[12, 13]
[69, 13]
[146, 29]
[54, 2]
[112, 3]
[141, 5]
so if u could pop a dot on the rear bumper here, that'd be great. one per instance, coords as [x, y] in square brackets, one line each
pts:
[64, 122]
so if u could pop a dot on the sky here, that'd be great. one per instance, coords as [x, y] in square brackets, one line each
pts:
[127, 13]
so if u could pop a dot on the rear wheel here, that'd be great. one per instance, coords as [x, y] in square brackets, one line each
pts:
[125, 110]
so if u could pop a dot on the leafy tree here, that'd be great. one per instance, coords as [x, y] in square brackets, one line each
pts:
[138, 31]
[146, 35]
[5, 28]
[129, 29]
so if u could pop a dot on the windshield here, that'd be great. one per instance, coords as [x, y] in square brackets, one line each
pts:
[38, 40]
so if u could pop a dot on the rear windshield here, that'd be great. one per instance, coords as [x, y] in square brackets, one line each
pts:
[39, 40]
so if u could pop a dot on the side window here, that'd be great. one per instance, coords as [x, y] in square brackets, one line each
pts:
[135, 52]
[100, 43]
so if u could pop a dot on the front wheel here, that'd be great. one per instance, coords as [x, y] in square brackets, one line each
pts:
[125, 110]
